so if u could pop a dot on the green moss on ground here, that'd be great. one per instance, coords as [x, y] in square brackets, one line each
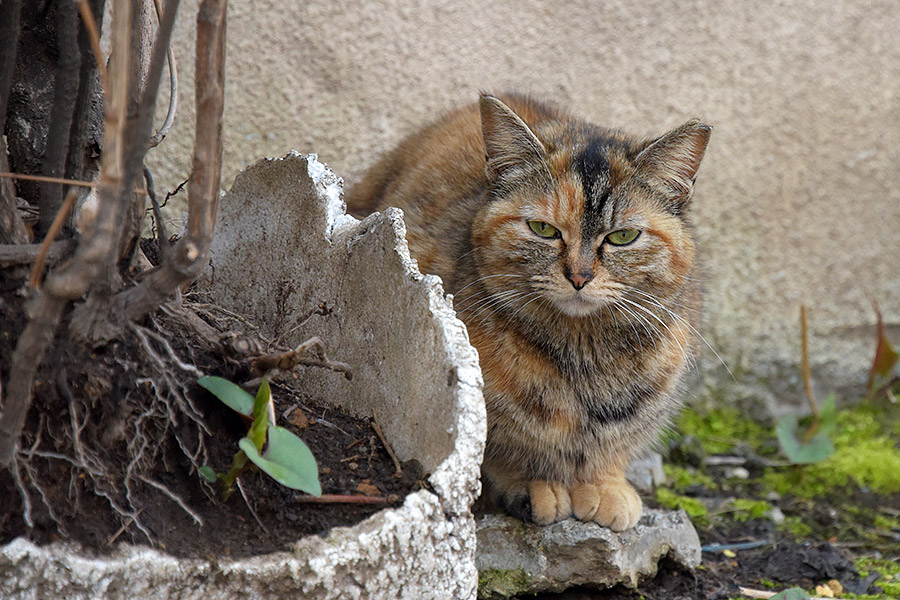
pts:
[500, 583]
[721, 429]
[866, 456]
[694, 508]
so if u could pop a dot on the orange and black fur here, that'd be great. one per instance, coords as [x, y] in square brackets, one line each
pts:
[570, 256]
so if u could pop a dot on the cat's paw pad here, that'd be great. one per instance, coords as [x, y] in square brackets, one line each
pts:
[550, 502]
[612, 503]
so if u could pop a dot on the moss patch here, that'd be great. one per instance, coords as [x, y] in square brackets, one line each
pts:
[500, 583]
[694, 508]
[889, 582]
[721, 429]
[866, 456]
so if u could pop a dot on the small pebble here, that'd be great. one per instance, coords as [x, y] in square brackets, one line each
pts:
[353, 466]
[737, 473]
[776, 515]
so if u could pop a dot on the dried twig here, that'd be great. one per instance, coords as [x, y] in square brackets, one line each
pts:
[160, 135]
[161, 237]
[398, 473]
[287, 361]
[65, 91]
[807, 377]
[191, 255]
[37, 272]
[259, 522]
[90, 24]
[345, 499]
[25, 254]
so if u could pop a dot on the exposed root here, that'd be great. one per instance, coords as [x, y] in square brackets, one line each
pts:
[310, 353]
[157, 410]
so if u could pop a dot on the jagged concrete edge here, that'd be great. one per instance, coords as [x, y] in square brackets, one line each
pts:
[456, 482]
[471, 419]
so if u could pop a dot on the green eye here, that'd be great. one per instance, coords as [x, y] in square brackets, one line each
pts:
[623, 237]
[545, 230]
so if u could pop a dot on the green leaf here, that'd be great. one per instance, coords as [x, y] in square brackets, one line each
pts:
[257, 433]
[229, 393]
[287, 460]
[791, 594]
[828, 417]
[799, 452]
[207, 473]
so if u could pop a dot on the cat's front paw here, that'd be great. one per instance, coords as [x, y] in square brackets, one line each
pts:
[610, 502]
[538, 501]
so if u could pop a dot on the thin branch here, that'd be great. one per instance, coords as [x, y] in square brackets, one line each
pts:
[25, 254]
[807, 377]
[37, 272]
[90, 24]
[160, 135]
[345, 499]
[191, 255]
[287, 361]
[249, 505]
[65, 91]
[62, 180]
[398, 472]
[161, 237]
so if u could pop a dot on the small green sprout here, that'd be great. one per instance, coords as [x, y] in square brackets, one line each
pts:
[275, 450]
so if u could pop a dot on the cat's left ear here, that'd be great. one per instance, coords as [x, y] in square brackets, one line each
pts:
[509, 144]
[673, 160]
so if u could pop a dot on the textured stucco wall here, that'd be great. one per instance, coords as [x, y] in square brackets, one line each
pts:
[798, 199]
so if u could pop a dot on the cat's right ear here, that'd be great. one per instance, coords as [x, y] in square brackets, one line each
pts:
[509, 144]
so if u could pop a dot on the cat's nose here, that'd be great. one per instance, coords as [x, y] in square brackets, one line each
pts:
[579, 280]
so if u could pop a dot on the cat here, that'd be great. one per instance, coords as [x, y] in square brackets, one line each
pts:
[570, 255]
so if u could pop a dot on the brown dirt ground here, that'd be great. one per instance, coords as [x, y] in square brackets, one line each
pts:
[108, 396]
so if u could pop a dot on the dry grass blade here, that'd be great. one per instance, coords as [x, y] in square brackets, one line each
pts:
[38, 270]
[807, 375]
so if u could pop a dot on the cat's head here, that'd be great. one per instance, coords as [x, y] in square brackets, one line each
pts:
[581, 217]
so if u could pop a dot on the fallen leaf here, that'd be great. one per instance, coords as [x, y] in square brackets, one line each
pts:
[368, 489]
[885, 354]
[729, 553]
[298, 419]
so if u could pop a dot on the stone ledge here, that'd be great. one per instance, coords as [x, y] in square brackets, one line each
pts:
[518, 558]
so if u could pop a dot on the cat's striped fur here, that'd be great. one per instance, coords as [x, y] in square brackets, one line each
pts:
[582, 342]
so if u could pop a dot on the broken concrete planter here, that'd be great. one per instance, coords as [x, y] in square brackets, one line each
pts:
[283, 248]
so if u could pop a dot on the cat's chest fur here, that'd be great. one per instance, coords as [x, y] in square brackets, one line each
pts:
[570, 255]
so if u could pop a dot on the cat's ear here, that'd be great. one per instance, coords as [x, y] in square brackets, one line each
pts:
[673, 160]
[508, 142]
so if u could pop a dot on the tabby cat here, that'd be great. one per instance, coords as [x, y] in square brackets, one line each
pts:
[570, 255]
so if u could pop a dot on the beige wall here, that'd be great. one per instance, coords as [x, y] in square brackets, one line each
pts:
[798, 199]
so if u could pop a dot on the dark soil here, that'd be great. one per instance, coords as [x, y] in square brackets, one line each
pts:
[103, 393]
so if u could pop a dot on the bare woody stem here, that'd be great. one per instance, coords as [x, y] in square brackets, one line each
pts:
[190, 256]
